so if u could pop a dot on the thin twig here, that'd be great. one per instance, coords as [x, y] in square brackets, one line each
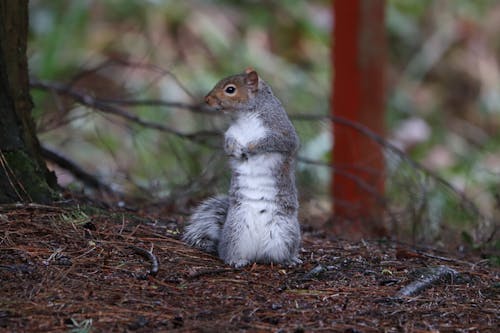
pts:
[155, 68]
[31, 205]
[197, 108]
[433, 256]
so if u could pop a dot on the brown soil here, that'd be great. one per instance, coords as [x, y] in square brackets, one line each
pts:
[63, 270]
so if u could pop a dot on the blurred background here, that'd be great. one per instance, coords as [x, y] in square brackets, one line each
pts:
[117, 84]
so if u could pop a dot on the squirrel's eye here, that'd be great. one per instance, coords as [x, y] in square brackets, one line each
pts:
[230, 89]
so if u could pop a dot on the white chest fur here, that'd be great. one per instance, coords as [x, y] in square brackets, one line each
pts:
[256, 188]
[246, 128]
[256, 180]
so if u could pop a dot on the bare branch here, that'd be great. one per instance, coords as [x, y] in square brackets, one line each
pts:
[65, 163]
[98, 104]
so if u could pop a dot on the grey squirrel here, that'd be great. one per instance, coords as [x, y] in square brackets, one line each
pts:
[257, 220]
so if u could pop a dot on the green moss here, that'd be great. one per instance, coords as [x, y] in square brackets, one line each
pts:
[30, 176]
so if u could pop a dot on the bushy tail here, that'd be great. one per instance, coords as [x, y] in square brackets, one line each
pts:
[205, 225]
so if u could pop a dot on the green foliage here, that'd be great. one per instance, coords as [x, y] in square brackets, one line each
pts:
[60, 26]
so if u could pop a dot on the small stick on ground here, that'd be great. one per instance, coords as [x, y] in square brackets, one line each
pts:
[431, 276]
[148, 255]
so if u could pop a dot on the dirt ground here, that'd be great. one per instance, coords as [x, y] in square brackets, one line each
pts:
[73, 270]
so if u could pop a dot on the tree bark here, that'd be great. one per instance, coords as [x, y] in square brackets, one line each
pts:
[23, 174]
[358, 59]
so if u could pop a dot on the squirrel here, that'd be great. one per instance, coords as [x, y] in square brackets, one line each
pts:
[257, 221]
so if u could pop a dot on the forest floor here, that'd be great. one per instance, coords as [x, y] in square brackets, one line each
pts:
[74, 270]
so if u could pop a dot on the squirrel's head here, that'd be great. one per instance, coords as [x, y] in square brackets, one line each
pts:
[235, 92]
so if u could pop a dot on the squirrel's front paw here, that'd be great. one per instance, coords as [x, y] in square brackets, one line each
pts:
[233, 148]
[243, 153]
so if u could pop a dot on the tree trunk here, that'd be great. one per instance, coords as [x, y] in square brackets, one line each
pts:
[23, 174]
[358, 59]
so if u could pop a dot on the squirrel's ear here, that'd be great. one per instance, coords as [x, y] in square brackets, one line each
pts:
[252, 78]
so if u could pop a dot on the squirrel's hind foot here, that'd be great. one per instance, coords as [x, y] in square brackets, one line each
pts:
[240, 263]
[294, 262]
[243, 262]
[204, 244]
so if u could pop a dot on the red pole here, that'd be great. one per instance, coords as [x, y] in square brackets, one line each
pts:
[358, 59]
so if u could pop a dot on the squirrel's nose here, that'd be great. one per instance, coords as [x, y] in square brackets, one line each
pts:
[210, 100]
